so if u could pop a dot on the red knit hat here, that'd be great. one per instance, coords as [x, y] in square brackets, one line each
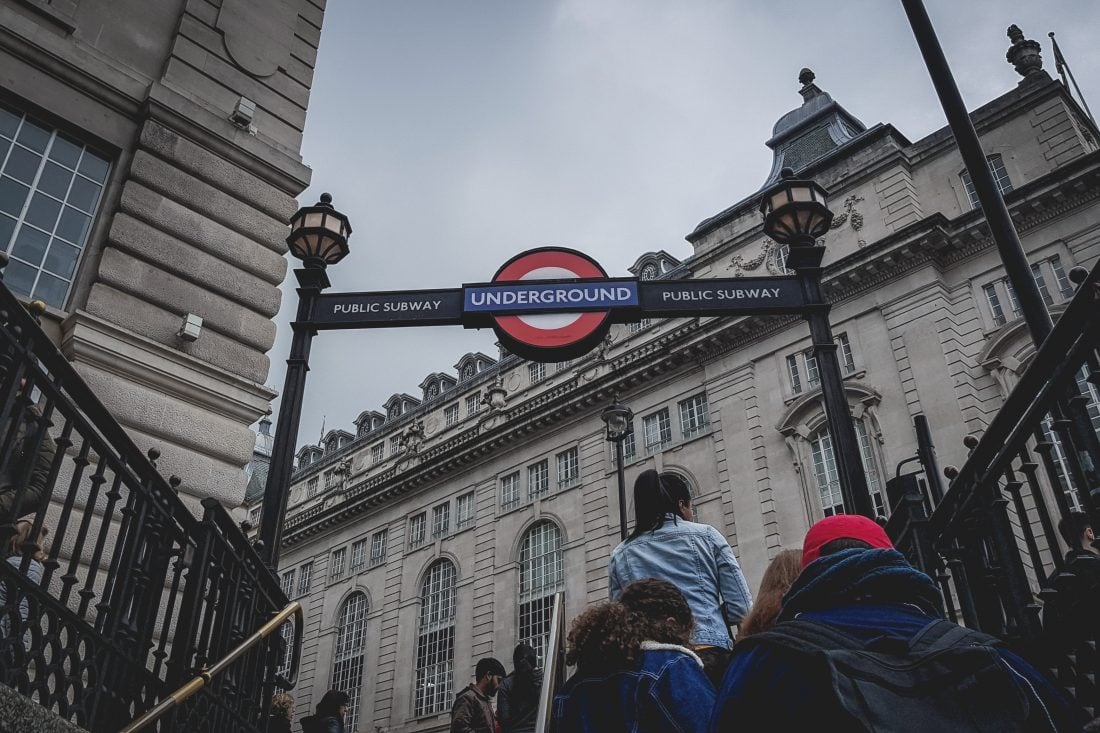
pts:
[843, 526]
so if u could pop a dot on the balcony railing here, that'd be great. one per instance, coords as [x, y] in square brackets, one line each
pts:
[130, 595]
[992, 542]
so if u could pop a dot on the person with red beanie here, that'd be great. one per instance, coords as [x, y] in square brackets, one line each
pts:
[861, 644]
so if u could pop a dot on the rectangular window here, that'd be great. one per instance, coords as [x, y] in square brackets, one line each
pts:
[630, 447]
[450, 414]
[312, 487]
[847, 361]
[994, 304]
[464, 511]
[538, 479]
[694, 416]
[288, 583]
[336, 565]
[473, 404]
[417, 529]
[658, 431]
[1065, 288]
[792, 372]
[378, 547]
[536, 371]
[330, 479]
[568, 468]
[377, 453]
[813, 376]
[305, 577]
[563, 365]
[441, 520]
[1000, 175]
[395, 445]
[640, 325]
[1041, 284]
[254, 515]
[509, 491]
[358, 555]
[50, 192]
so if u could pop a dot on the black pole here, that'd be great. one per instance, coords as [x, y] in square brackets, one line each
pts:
[805, 259]
[989, 194]
[622, 486]
[926, 450]
[312, 279]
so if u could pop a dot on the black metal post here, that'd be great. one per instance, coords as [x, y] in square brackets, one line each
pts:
[805, 259]
[622, 486]
[926, 450]
[312, 279]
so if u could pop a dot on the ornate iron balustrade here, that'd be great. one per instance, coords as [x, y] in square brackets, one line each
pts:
[991, 542]
[133, 594]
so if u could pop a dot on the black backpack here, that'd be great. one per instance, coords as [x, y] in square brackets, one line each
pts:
[946, 678]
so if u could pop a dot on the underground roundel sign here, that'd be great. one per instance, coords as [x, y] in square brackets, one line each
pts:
[562, 334]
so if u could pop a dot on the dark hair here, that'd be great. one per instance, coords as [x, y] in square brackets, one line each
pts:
[331, 703]
[1072, 529]
[488, 665]
[843, 543]
[778, 579]
[525, 660]
[656, 495]
[610, 635]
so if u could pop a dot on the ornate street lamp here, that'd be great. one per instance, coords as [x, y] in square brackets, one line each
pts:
[796, 213]
[619, 420]
[319, 238]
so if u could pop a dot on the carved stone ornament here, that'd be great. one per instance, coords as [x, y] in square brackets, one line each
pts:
[258, 33]
[1023, 54]
[853, 218]
[740, 265]
[412, 438]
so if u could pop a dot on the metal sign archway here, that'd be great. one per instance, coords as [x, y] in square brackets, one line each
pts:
[552, 304]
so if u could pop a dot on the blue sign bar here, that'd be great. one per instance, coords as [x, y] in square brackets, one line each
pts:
[557, 297]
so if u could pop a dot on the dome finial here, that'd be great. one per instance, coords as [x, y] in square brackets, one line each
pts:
[1024, 54]
[806, 76]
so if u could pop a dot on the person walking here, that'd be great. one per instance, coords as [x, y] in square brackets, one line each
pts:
[16, 549]
[281, 714]
[778, 578]
[635, 673]
[861, 644]
[329, 716]
[518, 698]
[667, 544]
[30, 457]
[472, 711]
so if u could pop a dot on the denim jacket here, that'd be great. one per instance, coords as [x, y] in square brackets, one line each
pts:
[666, 692]
[696, 559]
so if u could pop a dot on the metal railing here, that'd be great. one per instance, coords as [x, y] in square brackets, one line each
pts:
[991, 542]
[130, 595]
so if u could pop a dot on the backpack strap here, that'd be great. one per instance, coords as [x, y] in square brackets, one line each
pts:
[941, 634]
[808, 637]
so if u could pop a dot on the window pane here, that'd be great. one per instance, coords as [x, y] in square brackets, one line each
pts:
[19, 277]
[55, 180]
[694, 416]
[13, 195]
[1064, 286]
[7, 228]
[34, 137]
[568, 468]
[30, 245]
[1041, 284]
[994, 305]
[9, 123]
[538, 479]
[22, 164]
[825, 473]
[83, 194]
[43, 211]
[792, 372]
[65, 152]
[52, 290]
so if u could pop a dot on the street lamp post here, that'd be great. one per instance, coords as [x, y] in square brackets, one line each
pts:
[319, 237]
[619, 420]
[796, 214]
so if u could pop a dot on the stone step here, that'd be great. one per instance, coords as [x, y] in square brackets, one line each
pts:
[21, 715]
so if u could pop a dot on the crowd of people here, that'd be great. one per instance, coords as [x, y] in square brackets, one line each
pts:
[844, 635]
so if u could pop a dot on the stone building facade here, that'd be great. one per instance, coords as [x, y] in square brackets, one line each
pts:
[149, 161]
[435, 533]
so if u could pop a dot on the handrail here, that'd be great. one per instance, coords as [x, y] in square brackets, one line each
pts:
[553, 668]
[294, 608]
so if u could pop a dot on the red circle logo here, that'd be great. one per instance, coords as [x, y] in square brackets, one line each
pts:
[551, 337]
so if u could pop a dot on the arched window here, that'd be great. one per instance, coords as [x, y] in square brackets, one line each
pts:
[347, 661]
[828, 479]
[435, 640]
[540, 577]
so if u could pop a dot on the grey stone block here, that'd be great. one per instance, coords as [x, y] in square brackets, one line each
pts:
[216, 170]
[19, 714]
[194, 265]
[161, 326]
[144, 280]
[180, 186]
[194, 228]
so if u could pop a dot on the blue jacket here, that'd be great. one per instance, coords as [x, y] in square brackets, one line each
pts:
[772, 688]
[696, 559]
[667, 692]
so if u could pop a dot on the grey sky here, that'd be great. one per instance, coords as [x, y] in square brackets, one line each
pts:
[456, 134]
